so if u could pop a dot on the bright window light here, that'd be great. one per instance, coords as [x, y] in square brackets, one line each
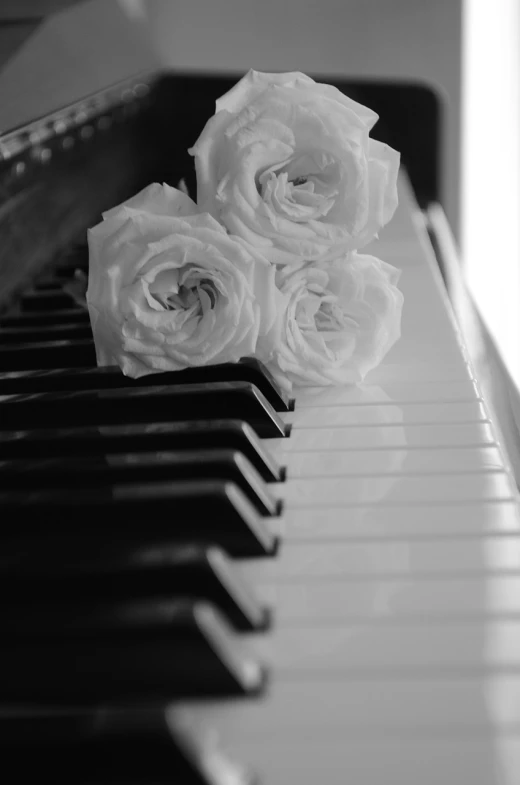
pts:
[491, 168]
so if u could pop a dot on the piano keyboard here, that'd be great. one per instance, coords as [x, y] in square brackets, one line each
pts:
[393, 595]
[396, 650]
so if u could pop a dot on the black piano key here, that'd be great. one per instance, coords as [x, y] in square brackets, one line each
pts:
[203, 511]
[45, 317]
[220, 400]
[108, 470]
[131, 745]
[57, 379]
[201, 572]
[51, 282]
[69, 330]
[82, 442]
[47, 354]
[127, 651]
[75, 260]
[45, 300]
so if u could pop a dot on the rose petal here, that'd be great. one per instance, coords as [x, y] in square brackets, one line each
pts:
[168, 292]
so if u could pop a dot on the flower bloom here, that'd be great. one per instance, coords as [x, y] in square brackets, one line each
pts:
[168, 288]
[288, 165]
[340, 320]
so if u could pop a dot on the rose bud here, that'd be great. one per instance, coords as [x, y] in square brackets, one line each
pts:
[340, 320]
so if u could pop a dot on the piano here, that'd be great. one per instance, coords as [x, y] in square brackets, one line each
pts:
[328, 590]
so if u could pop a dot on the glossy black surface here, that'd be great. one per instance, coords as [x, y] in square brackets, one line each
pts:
[122, 745]
[173, 403]
[92, 378]
[47, 354]
[30, 334]
[87, 441]
[124, 650]
[50, 587]
[46, 318]
[137, 513]
[97, 472]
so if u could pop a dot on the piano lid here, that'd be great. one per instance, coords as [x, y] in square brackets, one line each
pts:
[74, 53]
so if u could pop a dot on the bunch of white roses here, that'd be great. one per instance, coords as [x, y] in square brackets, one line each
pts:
[289, 187]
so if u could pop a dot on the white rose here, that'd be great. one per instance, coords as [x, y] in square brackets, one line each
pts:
[288, 165]
[340, 319]
[168, 288]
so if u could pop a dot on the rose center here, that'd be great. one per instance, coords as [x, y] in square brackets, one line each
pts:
[197, 295]
[331, 318]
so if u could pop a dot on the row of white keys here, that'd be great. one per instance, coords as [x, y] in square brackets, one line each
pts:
[395, 656]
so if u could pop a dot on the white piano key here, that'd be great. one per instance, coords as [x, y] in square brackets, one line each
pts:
[419, 558]
[396, 392]
[413, 413]
[382, 706]
[395, 652]
[384, 436]
[434, 352]
[427, 299]
[414, 521]
[480, 759]
[403, 225]
[427, 309]
[402, 253]
[419, 371]
[398, 489]
[348, 648]
[373, 462]
[384, 599]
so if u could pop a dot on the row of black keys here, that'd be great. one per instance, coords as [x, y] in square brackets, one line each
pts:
[71, 509]
[117, 584]
[145, 746]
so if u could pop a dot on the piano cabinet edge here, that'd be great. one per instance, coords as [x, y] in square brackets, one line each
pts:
[498, 389]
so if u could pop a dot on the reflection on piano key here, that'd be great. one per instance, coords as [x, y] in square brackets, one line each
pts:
[373, 462]
[385, 436]
[412, 413]
[440, 488]
[413, 521]
[381, 599]
[404, 391]
[420, 558]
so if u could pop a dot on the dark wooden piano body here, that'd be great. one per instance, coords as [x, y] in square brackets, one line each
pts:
[59, 173]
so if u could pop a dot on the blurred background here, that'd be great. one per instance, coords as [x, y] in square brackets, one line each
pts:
[53, 52]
